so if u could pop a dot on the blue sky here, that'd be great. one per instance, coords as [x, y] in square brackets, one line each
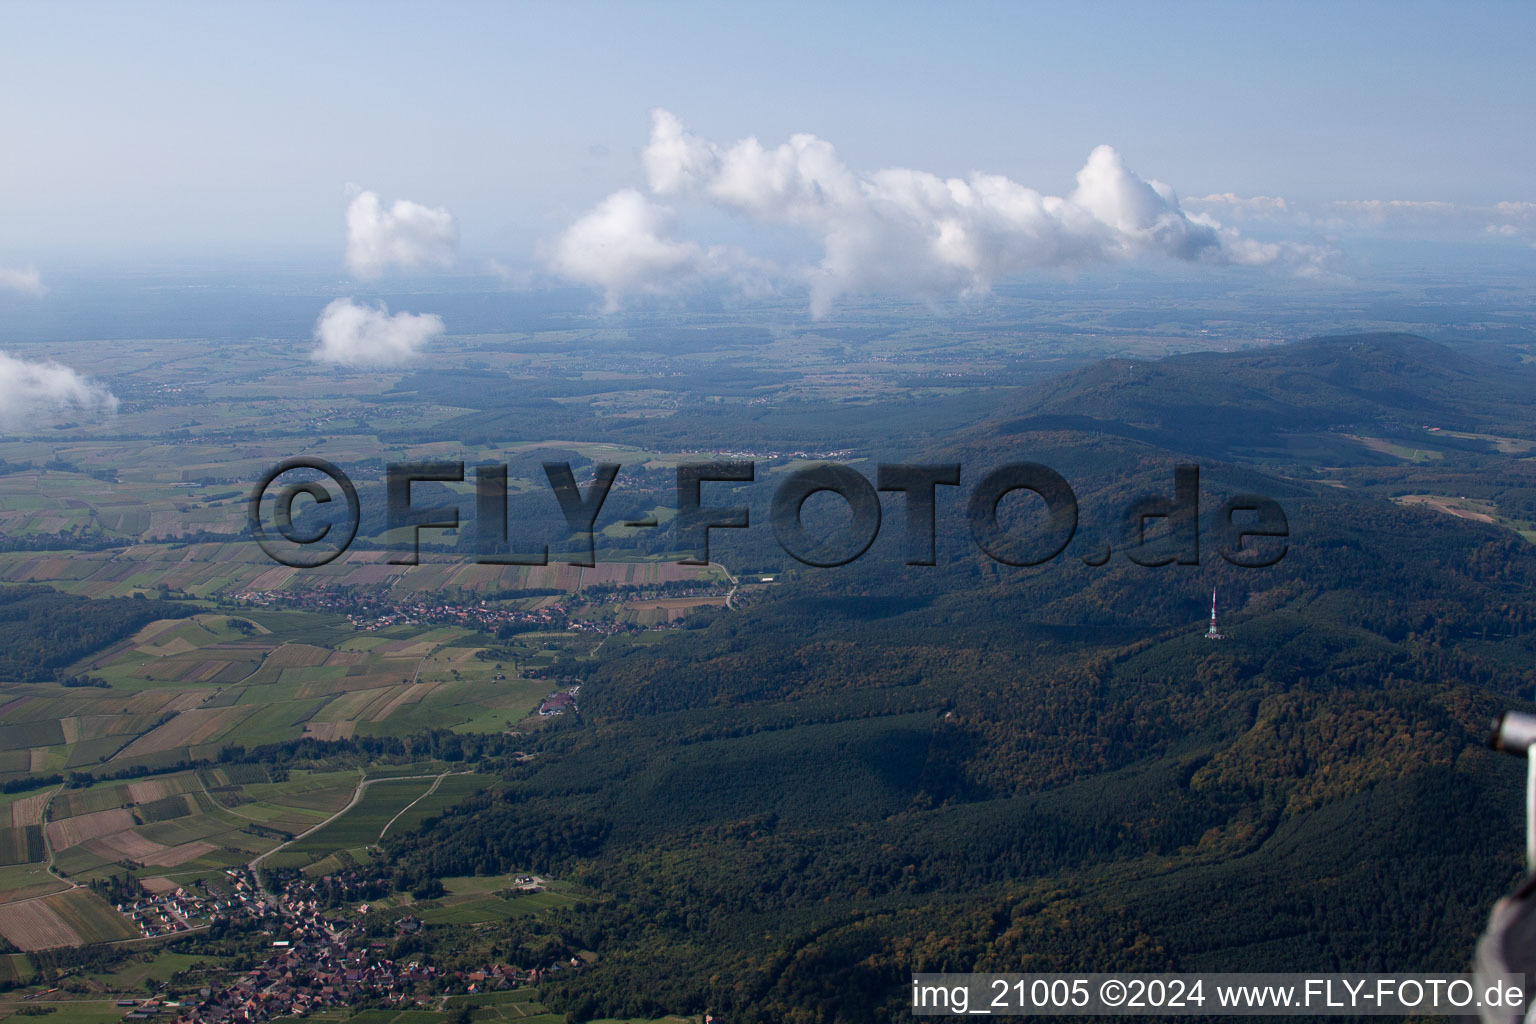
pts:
[200, 132]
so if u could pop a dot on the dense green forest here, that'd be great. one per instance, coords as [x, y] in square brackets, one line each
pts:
[42, 630]
[887, 768]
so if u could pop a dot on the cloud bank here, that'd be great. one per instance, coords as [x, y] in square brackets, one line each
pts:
[1432, 216]
[36, 388]
[27, 282]
[350, 334]
[1512, 220]
[894, 231]
[406, 234]
[625, 247]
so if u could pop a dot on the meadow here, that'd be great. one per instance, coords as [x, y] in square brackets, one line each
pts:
[182, 690]
[179, 692]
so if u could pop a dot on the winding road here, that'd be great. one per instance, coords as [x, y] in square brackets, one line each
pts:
[357, 795]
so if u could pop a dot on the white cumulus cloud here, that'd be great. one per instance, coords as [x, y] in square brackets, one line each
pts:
[896, 231]
[1512, 220]
[405, 234]
[34, 388]
[28, 282]
[350, 334]
[625, 247]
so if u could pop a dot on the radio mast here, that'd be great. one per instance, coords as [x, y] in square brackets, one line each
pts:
[1213, 633]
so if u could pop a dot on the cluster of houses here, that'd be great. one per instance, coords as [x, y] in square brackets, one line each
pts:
[306, 898]
[163, 913]
[244, 899]
[319, 961]
[369, 611]
[308, 972]
[771, 455]
[145, 1009]
[559, 702]
[439, 613]
[164, 909]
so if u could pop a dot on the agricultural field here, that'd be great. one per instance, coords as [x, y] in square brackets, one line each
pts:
[521, 1006]
[70, 1011]
[171, 828]
[658, 611]
[138, 973]
[150, 827]
[451, 790]
[15, 969]
[364, 824]
[211, 571]
[25, 881]
[180, 690]
[127, 757]
[485, 899]
[71, 918]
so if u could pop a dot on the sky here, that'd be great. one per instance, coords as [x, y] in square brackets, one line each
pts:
[521, 137]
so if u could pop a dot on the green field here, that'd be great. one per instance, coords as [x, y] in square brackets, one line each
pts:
[186, 689]
[67, 1011]
[361, 826]
[452, 790]
[484, 909]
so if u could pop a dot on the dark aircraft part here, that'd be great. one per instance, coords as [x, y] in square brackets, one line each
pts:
[1508, 945]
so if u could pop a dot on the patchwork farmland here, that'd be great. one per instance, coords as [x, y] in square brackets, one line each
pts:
[182, 690]
[119, 760]
[71, 918]
[170, 829]
[213, 570]
[178, 692]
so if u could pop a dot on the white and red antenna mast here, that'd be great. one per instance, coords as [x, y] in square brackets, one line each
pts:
[1213, 633]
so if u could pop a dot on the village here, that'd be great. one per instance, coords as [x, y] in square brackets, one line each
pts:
[160, 912]
[370, 611]
[317, 959]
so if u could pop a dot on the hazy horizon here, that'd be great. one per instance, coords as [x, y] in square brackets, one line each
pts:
[241, 135]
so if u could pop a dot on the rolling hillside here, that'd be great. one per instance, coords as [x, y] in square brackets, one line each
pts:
[1208, 402]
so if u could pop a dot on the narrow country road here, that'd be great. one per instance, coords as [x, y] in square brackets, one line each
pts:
[432, 789]
[357, 795]
[48, 844]
[735, 585]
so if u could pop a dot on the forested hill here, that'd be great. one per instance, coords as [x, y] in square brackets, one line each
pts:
[879, 769]
[1216, 399]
